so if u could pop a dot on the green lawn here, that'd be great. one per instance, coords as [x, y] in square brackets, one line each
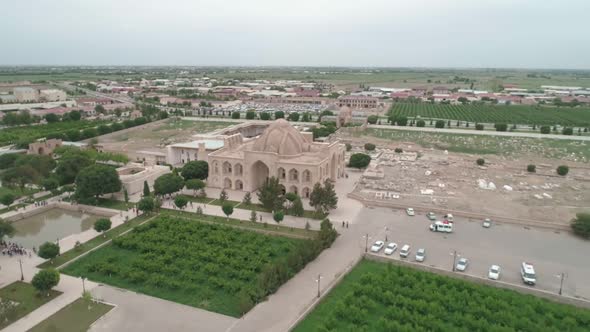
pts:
[383, 297]
[27, 298]
[114, 204]
[93, 243]
[210, 266]
[32, 132]
[17, 192]
[75, 317]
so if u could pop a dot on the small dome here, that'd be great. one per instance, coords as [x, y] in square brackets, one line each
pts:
[281, 138]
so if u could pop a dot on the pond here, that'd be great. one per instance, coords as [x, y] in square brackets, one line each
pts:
[49, 226]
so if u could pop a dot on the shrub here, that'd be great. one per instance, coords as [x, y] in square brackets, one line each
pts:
[420, 123]
[250, 115]
[531, 168]
[264, 116]
[401, 121]
[545, 129]
[480, 161]
[45, 280]
[48, 250]
[581, 225]
[279, 115]
[501, 127]
[372, 119]
[235, 115]
[399, 150]
[370, 146]
[567, 131]
[479, 126]
[359, 160]
[563, 170]
[348, 147]
[439, 124]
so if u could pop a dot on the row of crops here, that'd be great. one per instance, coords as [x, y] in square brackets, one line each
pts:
[510, 114]
[382, 297]
[215, 267]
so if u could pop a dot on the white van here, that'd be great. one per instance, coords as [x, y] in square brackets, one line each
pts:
[405, 251]
[440, 226]
[527, 272]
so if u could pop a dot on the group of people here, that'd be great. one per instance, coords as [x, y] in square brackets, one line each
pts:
[11, 249]
[41, 203]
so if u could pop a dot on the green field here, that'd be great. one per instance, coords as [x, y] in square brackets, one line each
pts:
[480, 144]
[210, 266]
[383, 297]
[510, 114]
[75, 317]
[13, 135]
[27, 299]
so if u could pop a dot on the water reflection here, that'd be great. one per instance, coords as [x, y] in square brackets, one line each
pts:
[50, 225]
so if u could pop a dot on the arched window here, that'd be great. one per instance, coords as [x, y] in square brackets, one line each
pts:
[281, 173]
[306, 176]
[293, 175]
[227, 168]
[238, 169]
[305, 192]
[239, 185]
[227, 183]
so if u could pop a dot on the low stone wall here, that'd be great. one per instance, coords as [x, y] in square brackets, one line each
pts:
[466, 214]
[99, 211]
[484, 281]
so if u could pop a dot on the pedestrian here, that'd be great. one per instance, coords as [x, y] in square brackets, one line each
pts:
[347, 224]
[260, 218]
[342, 223]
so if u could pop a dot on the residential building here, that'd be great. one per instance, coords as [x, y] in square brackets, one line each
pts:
[26, 94]
[52, 95]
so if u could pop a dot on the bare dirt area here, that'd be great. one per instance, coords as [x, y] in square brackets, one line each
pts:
[427, 178]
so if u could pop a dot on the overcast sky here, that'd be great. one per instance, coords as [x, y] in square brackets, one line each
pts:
[385, 33]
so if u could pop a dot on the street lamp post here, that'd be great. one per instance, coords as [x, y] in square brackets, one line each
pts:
[83, 285]
[561, 277]
[454, 254]
[318, 281]
[22, 276]
[367, 242]
[386, 231]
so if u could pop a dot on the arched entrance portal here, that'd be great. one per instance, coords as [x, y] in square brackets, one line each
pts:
[258, 174]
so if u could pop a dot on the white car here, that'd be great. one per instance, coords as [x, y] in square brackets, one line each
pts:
[377, 246]
[494, 272]
[487, 223]
[462, 264]
[410, 212]
[420, 255]
[405, 251]
[391, 248]
[431, 216]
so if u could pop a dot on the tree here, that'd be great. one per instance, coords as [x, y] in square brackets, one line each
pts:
[370, 146]
[223, 196]
[479, 126]
[348, 147]
[50, 183]
[327, 234]
[104, 129]
[253, 216]
[293, 116]
[306, 117]
[235, 115]
[247, 200]
[264, 116]
[8, 160]
[315, 197]
[297, 208]
[89, 133]
[581, 225]
[372, 119]
[21, 176]
[480, 161]
[7, 199]
[270, 195]
[197, 169]
[278, 216]
[6, 229]
[70, 164]
[279, 115]
[146, 204]
[102, 225]
[74, 115]
[501, 126]
[567, 131]
[126, 197]
[74, 135]
[180, 201]
[96, 180]
[531, 168]
[99, 109]
[228, 209]
[48, 250]
[420, 123]
[45, 280]
[359, 160]
[398, 150]
[167, 184]
[146, 188]
[563, 170]
[195, 184]
[51, 118]
[250, 115]
[439, 124]
[329, 197]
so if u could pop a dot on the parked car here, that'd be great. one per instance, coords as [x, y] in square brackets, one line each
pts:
[405, 251]
[377, 246]
[494, 272]
[449, 217]
[431, 216]
[527, 272]
[462, 264]
[391, 248]
[440, 226]
[487, 223]
[420, 255]
[410, 212]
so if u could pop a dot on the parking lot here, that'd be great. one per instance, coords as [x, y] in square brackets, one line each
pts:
[505, 245]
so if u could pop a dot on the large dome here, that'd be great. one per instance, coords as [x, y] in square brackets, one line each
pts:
[280, 137]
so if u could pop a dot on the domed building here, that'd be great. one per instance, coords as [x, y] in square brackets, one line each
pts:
[280, 151]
